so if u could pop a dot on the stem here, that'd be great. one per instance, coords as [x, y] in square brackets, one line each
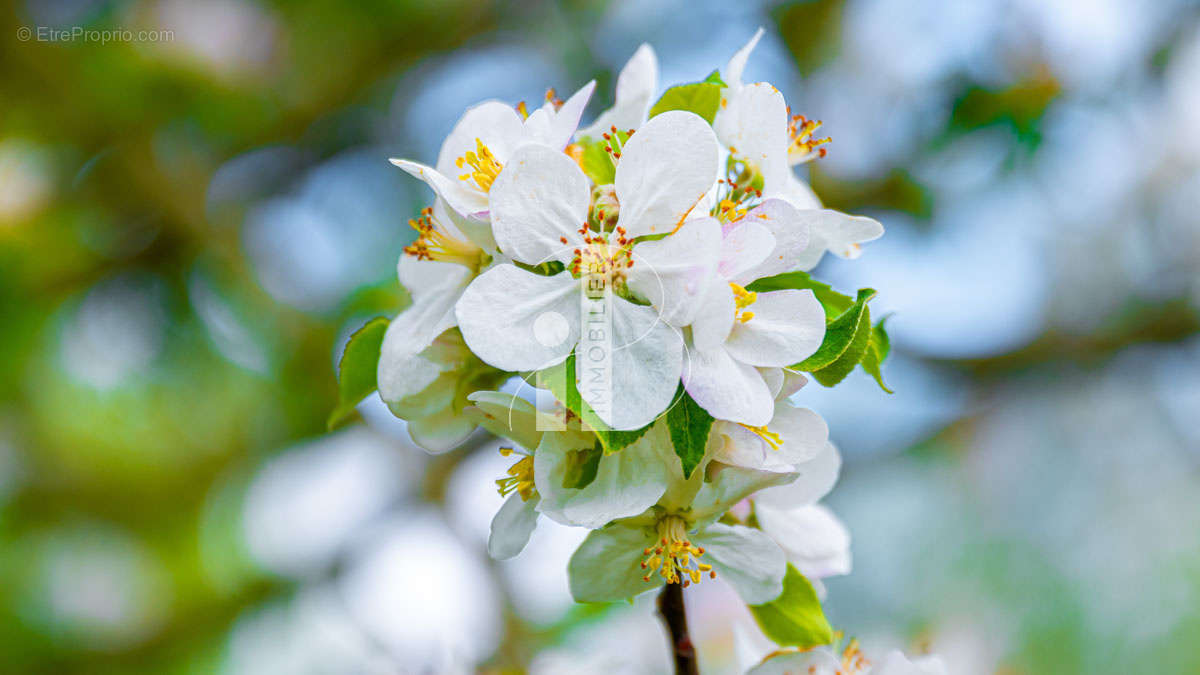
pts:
[670, 607]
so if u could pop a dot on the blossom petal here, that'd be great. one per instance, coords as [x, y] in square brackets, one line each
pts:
[811, 536]
[731, 485]
[727, 389]
[803, 432]
[753, 125]
[557, 127]
[714, 319]
[607, 565]
[647, 359]
[817, 477]
[746, 559]
[820, 661]
[732, 72]
[674, 272]
[456, 193]
[746, 246]
[512, 526]
[517, 320]
[837, 233]
[508, 416]
[626, 483]
[493, 123]
[790, 237]
[787, 327]
[664, 171]
[896, 663]
[636, 86]
[401, 371]
[441, 432]
[538, 203]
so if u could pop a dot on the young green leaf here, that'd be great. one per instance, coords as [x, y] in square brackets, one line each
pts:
[840, 335]
[702, 98]
[689, 425]
[834, 303]
[582, 466]
[877, 350]
[596, 163]
[795, 618]
[853, 354]
[356, 370]
[560, 380]
[715, 78]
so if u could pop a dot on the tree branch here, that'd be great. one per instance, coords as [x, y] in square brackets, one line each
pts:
[670, 607]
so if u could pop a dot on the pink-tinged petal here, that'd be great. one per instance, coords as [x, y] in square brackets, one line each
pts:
[674, 273]
[790, 232]
[727, 389]
[787, 328]
[664, 171]
[747, 244]
[714, 320]
[517, 320]
[646, 360]
[457, 194]
[811, 536]
[538, 203]
[817, 477]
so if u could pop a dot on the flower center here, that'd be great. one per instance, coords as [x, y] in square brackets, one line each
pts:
[769, 437]
[803, 147]
[435, 243]
[742, 299]
[484, 167]
[600, 258]
[739, 191]
[674, 557]
[519, 479]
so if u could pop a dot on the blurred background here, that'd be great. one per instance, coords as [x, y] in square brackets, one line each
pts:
[192, 224]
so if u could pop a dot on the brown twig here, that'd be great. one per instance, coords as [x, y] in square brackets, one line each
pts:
[670, 607]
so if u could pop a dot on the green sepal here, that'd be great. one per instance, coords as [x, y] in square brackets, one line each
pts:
[795, 618]
[715, 78]
[357, 370]
[582, 466]
[689, 425]
[612, 440]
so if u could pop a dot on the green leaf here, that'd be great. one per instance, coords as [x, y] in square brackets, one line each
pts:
[834, 303]
[356, 370]
[877, 350]
[702, 98]
[597, 163]
[689, 425]
[795, 618]
[715, 78]
[840, 334]
[560, 380]
[853, 354]
[582, 466]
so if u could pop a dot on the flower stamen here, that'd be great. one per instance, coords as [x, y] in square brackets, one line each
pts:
[674, 557]
[742, 299]
[769, 437]
[434, 242]
[803, 147]
[484, 166]
[519, 479]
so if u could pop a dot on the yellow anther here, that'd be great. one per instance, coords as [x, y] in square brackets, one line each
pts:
[674, 557]
[803, 147]
[853, 661]
[522, 110]
[519, 479]
[742, 299]
[484, 167]
[729, 211]
[769, 437]
[434, 242]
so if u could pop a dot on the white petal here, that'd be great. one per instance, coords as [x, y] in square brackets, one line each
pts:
[508, 416]
[753, 125]
[731, 485]
[511, 527]
[727, 389]
[817, 477]
[803, 432]
[790, 236]
[743, 448]
[895, 663]
[787, 327]
[401, 371]
[746, 245]
[732, 72]
[476, 228]
[636, 86]
[664, 171]
[607, 565]
[714, 320]
[797, 193]
[564, 121]
[674, 273]
[811, 536]
[457, 194]
[793, 381]
[818, 661]
[627, 482]
[538, 203]
[843, 233]
[497, 125]
[646, 357]
[517, 320]
[746, 559]
[428, 277]
[441, 432]
[774, 379]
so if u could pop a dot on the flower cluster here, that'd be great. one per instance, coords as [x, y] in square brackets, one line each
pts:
[650, 272]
